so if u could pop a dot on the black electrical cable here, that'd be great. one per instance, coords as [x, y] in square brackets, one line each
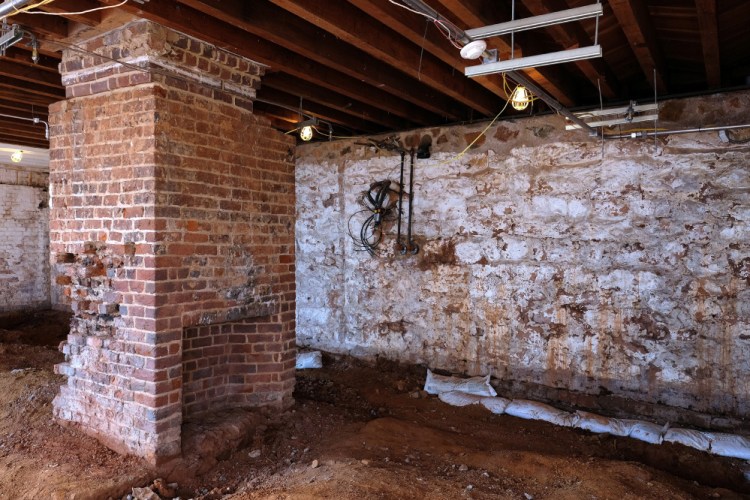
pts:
[377, 201]
[400, 205]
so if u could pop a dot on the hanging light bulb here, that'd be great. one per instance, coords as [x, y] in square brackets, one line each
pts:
[306, 133]
[520, 98]
[17, 156]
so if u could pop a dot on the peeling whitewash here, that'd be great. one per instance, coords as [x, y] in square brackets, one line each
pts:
[546, 257]
[24, 239]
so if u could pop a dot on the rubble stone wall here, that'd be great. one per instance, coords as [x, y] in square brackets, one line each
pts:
[548, 259]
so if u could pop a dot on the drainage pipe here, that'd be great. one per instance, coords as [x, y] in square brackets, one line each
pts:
[10, 6]
[655, 133]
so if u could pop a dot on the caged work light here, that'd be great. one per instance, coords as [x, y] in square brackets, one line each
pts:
[306, 129]
[520, 98]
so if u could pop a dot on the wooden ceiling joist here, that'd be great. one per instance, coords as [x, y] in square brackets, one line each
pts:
[307, 91]
[63, 7]
[317, 110]
[23, 72]
[475, 14]
[635, 22]
[351, 25]
[221, 34]
[707, 21]
[423, 34]
[263, 19]
[571, 36]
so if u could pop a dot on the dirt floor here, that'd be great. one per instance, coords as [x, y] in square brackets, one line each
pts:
[356, 431]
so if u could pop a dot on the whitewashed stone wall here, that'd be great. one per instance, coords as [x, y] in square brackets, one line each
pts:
[617, 267]
[24, 239]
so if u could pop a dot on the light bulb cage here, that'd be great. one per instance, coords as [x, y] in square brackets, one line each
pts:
[520, 99]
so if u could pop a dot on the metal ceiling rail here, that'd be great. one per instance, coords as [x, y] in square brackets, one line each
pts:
[517, 77]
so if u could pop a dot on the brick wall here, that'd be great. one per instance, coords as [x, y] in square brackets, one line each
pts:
[24, 240]
[173, 217]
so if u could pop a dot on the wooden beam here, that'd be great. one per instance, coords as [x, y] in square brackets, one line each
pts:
[22, 56]
[477, 13]
[351, 25]
[62, 7]
[24, 110]
[707, 21]
[10, 138]
[53, 27]
[30, 88]
[635, 22]
[32, 74]
[572, 35]
[289, 31]
[22, 128]
[425, 35]
[309, 91]
[233, 39]
[317, 110]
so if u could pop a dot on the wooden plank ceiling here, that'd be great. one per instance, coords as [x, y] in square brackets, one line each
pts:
[371, 66]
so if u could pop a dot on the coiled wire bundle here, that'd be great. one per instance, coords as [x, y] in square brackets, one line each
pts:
[379, 203]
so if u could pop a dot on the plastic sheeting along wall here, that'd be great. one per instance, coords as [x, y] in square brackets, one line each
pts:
[616, 267]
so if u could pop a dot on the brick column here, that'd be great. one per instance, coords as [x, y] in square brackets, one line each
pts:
[172, 238]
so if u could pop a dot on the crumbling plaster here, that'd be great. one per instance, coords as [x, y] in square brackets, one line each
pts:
[547, 257]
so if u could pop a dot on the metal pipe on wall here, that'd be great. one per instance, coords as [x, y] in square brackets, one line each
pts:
[655, 133]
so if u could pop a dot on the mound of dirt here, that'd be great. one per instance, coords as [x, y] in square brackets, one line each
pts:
[355, 431]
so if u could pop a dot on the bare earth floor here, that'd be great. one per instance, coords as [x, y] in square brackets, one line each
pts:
[356, 431]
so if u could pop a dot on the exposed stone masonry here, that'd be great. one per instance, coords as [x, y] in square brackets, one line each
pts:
[548, 259]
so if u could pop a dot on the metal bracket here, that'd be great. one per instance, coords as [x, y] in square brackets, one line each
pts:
[489, 56]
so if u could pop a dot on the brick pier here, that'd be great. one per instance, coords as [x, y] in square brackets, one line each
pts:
[172, 238]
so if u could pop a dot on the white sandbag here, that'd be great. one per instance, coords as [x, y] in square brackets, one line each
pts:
[688, 437]
[603, 425]
[533, 410]
[496, 405]
[436, 384]
[592, 422]
[309, 359]
[729, 445]
[458, 398]
[621, 427]
[647, 431]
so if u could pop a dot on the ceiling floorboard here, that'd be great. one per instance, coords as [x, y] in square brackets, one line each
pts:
[425, 35]
[636, 23]
[709, 40]
[570, 36]
[356, 28]
[213, 30]
[300, 37]
[476, 14]
[62, 7]
[318, 110]
[307, 91]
